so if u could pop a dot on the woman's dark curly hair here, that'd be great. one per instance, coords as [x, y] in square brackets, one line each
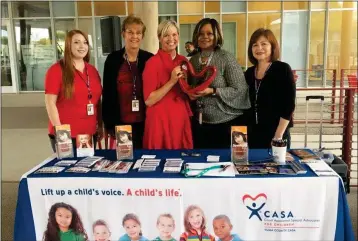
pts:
[52, 230]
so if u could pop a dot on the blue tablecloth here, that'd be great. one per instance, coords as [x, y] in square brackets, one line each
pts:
[24, 226]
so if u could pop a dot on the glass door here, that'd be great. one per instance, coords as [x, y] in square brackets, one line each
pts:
[8, 83]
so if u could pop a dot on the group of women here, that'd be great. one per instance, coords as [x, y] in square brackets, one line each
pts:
[142, 90]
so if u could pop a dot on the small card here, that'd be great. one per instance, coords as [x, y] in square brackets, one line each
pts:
[169, 169]
[66, 163]
[101, 164]
[89, 161]
[52, 169]
[147, 169]
[135, 105]
[211, 158]
[90, 109]
[148, 156]
[78, 169]
[138, 163]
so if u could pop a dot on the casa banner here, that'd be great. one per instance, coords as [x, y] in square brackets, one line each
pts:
[180, 209]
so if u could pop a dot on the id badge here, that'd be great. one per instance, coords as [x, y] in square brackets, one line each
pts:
[90, 109]
[135, 105]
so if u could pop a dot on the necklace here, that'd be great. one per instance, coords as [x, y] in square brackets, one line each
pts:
[208, 58]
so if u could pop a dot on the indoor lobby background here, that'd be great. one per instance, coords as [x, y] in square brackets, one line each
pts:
[312, 35]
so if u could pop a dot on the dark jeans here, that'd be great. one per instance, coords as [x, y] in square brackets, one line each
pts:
[214, 136]
[53, 143]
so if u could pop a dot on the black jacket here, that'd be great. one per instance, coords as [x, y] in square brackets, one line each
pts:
[276, 97]
[110, 106]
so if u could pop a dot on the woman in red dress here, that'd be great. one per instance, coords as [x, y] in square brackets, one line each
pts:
[167, 124]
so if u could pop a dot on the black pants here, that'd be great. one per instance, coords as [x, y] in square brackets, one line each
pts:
[137, 135]
[259, 137]
[214, 136]
[53, 143]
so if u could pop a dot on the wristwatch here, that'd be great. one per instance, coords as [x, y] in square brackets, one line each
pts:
[214, 92]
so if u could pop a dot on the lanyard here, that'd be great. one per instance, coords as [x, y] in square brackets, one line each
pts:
[87, 83]
[257, 88]
[203, 171]
[134, 76]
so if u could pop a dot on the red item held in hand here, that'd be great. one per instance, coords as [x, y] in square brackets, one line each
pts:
[188, 69]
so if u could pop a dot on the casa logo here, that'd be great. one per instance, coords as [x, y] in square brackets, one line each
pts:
[257, 203]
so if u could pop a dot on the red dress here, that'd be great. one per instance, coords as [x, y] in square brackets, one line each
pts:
[167, 124]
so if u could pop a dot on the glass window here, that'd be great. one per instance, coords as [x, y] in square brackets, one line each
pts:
[294, 42]
[4, 10]
[342, 4]
[162, 18]
[316, 49]
[264, 6]
[318, 5]
[6, 79]
[167, 7]
[234, 31]
[191, 7]
[288, 5]
[212, 7]
[342, 40]
[85, 24]
[63, 9]
[84, 8]
[233, 6]
[35, 52]
[264, 20]
[186, 34]
[214, 16]
[62, 27]
[109, 8]
[30, 9]
[101, 57]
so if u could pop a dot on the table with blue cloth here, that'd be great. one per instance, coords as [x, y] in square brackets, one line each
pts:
[258, 207]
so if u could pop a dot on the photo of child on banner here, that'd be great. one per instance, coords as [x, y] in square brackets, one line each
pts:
[239, 149]
[133, 228]
[63, 144]
[64, 223]
[222, 227]
[124, 146]
[101, 231]
[84, 145]
[195, 225]
[165, 226]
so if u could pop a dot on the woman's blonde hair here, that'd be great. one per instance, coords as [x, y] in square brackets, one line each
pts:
[164, 26]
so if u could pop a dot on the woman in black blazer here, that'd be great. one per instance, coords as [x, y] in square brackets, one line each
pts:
[272, 92]
[122, 102]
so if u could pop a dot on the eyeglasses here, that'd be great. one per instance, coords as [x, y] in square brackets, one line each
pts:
[131, 33]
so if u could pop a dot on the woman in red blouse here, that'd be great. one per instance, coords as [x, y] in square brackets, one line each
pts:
[167, 125]
[73, 90]
[123, 102]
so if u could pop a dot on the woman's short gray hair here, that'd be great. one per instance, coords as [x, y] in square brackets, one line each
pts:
[165, 25]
